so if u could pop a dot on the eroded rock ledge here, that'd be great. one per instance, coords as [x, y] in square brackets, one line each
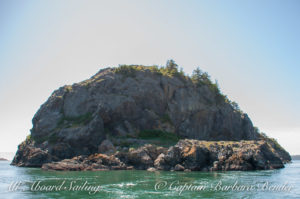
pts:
[186, 155]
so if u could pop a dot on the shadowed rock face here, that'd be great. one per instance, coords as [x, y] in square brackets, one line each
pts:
[76, 119]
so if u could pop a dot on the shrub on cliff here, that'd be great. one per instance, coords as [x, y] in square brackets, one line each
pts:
[126, 70]
[159, 137]
[170, 70]
[200, 78]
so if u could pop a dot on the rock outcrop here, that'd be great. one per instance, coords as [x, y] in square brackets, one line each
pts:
[29, 155]
[212, 156]
[130, 106]
[186, 155]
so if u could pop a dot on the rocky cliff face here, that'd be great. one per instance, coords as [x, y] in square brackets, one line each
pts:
[123, 104]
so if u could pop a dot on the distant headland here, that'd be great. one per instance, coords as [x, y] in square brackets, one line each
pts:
[295, 157]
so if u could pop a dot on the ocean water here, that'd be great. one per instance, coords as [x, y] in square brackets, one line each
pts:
[34, 183]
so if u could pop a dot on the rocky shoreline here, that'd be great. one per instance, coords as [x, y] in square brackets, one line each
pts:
[186, 155]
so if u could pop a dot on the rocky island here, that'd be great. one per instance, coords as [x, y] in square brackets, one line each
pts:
[3, 159]
[146, 117]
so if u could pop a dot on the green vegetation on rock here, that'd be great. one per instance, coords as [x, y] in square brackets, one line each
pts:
[159, 137]
[69, 122]
[272, 141]
[28, 138]
[170, 70]
[198, 77]
[165, 118]
[51, 138]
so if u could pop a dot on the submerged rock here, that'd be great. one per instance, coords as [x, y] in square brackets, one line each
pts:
[151, 169]
[179, 167]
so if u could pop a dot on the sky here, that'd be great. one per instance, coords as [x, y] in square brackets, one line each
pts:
[251, 47]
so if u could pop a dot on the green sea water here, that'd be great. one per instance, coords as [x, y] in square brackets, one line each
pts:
[34, 183]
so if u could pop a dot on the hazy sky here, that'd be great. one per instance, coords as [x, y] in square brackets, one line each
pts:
[251, 47]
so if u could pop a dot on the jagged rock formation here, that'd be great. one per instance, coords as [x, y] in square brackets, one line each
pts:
[186, 155]
[124, 104]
